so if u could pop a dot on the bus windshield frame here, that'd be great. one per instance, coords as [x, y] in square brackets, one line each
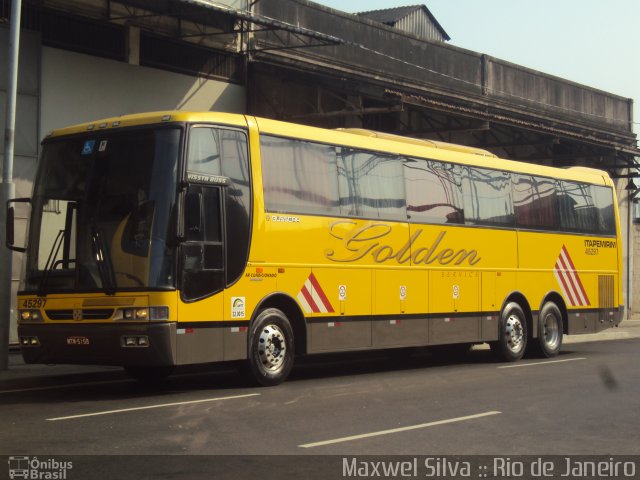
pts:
[104, 212]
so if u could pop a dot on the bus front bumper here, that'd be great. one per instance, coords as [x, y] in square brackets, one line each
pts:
[139, 344]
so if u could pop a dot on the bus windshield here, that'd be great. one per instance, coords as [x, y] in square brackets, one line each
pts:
[103, 212]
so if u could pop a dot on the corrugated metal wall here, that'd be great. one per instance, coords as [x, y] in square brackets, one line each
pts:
[428, 65]
[418, 23]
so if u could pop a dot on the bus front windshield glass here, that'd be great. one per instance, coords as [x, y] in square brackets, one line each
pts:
[103, 212]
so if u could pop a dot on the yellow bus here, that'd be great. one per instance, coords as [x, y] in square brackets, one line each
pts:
[174, 238]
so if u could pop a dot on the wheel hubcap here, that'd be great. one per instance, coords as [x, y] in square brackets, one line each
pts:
[272, 348]
[551, 332]
[514, 334]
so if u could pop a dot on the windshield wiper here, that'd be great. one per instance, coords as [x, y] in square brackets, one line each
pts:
[103, 260]
[51, 262]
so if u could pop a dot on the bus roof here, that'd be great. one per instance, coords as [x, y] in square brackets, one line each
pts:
[423, 142]
[151, 118]
[357, 138]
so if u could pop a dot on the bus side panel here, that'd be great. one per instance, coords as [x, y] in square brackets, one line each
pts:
[464, 289]
[455, 294]
[496, 286]
[582, 269]
[197, 339]
[338, 297]
[400, 292]
[348, 326]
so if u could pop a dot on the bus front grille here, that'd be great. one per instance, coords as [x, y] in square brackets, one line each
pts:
[80, 314]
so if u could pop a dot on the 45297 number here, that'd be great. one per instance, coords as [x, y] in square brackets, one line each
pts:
[34, 303]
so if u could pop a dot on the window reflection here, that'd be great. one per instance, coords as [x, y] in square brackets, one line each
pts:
[487, 197]
[434, 192]
[306, 177]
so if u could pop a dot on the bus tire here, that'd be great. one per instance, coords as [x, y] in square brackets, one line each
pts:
[512, 337]
[550, 331]
[271, 348]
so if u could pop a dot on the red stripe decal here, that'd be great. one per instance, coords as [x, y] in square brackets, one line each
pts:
[320, 292]
[309, 299]
[570, 280]
[576, 276]
[575, 298]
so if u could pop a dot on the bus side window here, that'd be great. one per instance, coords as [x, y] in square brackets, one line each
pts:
[535, 202]
[204, 151]
[225, 152]
[203, 263]
[434, 192]
[577, 210]
[371, 185]
[603, 200]
[487, 197]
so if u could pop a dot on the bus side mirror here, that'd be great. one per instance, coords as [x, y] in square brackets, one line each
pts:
[10, 225]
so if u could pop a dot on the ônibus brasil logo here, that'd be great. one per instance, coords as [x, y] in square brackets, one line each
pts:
[36, 469]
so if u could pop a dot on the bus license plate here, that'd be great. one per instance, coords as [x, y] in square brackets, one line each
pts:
[77, 341]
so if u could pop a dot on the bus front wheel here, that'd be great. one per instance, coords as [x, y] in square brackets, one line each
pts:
[271, 348]
[512, 337]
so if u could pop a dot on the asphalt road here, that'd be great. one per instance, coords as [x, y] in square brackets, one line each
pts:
[586, 401]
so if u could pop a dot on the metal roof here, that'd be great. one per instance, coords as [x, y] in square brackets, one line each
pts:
[391, 16]
[262, 20]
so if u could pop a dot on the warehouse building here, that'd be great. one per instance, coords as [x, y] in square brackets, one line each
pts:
[389, 70]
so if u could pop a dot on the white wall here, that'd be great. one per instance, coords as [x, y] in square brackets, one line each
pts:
[79, 88]
[61, 88]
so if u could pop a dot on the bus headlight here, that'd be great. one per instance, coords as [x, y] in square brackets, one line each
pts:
[153, 314]
[158, 313]
[29, 316]
[139, 313]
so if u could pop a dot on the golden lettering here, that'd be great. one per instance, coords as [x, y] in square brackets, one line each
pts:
[429, 253]
[445, 256]
[406, 249]
[358, 242]
[471, 256]
[378, 254]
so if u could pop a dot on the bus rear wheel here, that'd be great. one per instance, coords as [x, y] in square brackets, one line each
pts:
[512, 337]
[550, 331]
[271, 348]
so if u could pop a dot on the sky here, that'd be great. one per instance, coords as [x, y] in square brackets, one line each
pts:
[592, 42]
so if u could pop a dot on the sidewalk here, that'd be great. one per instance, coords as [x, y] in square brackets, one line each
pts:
[18, 371]
[627, 329]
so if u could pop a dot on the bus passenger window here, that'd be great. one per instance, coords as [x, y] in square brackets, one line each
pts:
[577, 210]
[299, 177]
[371, 185]
[434, 192]
[534, 202]
[603, 200]
[487, 197]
